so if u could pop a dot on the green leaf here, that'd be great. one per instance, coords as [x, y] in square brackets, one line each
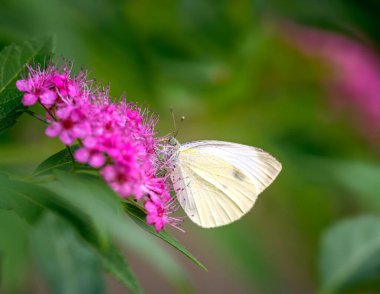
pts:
[20, 197]
[95, 198]
[65, 261]
[10, 108]
[350, 253]
[12, 62]
[361, 178]
[114, 262]
[138, 214]
[13, 252]
[61, 160]
[30, 201]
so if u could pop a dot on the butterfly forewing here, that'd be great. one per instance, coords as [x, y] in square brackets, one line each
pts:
[218, 182]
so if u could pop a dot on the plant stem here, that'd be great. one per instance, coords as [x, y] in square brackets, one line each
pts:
[71, 155]
[49, 112]
[37, 116]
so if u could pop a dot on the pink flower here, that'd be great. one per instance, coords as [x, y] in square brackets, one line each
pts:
[90, 153]
[122, 179]
[117, 138]
[156, 215]
[72, 125]
[93, 157]
[37, 88]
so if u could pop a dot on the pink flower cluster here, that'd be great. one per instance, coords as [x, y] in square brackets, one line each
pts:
[354, 80]
[116, 138]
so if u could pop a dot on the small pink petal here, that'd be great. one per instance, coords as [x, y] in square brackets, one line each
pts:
[150, 219]
[23, 85]
[90, 142]
[109, 173]
[160, 225]
[124, 190]
[81, 130]
[53, 130]
[59, 80]
[74, 90]
[150, 207]
[97, 160]
[66, 138]
[29, 99]
[48, 98]
[82, 155]
[64, 113]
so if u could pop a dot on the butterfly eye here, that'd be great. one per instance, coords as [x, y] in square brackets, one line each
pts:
[173, 142]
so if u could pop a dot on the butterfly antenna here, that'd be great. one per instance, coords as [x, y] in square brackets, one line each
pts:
[179, 126]
[173, 118]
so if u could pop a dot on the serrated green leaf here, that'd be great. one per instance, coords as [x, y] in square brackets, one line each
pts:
[12, 62]
[138, 214]
[66, 262]
[350, 253]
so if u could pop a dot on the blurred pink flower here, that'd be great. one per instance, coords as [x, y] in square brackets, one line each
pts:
[354, 82]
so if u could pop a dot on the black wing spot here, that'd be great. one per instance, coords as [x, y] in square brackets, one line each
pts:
[238, 175]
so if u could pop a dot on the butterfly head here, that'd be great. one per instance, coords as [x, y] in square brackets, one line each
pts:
[173, 142]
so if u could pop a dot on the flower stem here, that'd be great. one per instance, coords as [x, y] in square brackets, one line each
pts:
[49, 112]
[37, 116]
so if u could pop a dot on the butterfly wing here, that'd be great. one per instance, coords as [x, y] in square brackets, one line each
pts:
[218, 182]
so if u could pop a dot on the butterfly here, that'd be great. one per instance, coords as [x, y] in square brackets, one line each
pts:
[218, 182]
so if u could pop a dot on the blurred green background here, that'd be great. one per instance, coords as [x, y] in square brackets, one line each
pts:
[255, 72]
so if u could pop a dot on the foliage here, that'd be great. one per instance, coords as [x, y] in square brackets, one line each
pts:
[73, 218]
[231, 70]
[12, 61]
[350, 253]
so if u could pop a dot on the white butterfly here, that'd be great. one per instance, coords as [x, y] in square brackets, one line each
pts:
[218, 182]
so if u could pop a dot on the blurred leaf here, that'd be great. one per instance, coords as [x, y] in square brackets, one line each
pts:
[138, 214]
[357, 18]
[65, 261]
[350, 253]
[13, 252]
[359, 177]
[30, 201]
[114, 262]
[12, 62]
[23, 198]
